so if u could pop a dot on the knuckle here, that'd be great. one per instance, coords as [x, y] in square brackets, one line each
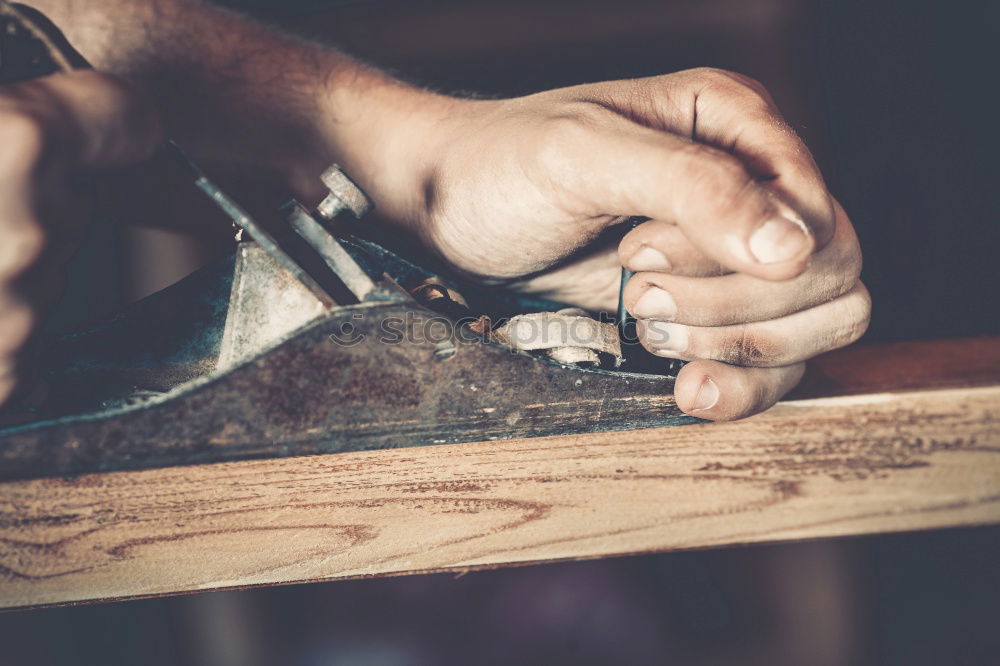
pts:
[577, 116]
[734, 189]
[564, 138]
[758, 394]
[749, 348]
[827, 228]
[841, 278]
[735, 82]
[563, 130]
[711, 75]
[748, 395]
[716, 180]
[853, 262]
[733, 87]
[751, 87]
[757, 390]
[850, 273]
[849, 321]
[710, 164]
[563, 133]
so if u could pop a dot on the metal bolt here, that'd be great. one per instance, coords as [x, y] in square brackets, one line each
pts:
[344, 195]
[444, 350]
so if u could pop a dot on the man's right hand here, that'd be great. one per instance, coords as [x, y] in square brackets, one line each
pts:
[747, 268]
[54, 132]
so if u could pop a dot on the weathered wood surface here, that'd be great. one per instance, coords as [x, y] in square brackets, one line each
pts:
[811, 468]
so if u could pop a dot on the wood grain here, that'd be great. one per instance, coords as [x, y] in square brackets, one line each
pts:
[812, 468]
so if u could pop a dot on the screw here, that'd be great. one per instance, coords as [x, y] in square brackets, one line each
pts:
[344, 195]
[444, 350]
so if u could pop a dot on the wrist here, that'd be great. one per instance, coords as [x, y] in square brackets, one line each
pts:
[389, 137]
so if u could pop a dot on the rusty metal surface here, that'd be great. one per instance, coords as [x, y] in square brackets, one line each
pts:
[265, 305]
[306, 273]
[385, 386]
[333, 254]
[144, 388]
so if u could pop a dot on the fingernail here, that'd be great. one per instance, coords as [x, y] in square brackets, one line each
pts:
[649, 259]
[779, 239]
[666, 337]
[708, 395]
[655, 303]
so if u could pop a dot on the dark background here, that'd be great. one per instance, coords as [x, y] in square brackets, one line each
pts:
[898, 102]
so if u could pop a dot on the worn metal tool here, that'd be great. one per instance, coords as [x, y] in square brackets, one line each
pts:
[305, 341]
[632, 223]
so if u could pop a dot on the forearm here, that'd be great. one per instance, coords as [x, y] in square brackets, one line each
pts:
[232, 89]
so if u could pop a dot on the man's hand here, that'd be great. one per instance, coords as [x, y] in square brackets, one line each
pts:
[748, 267]
[53, 132]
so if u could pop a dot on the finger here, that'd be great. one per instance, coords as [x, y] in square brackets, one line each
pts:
[621, 168]
[50, 127]
[737, 114]
[22, 234]
[737, 298]
[771, 343]
[720, 392]
[662, 247]
[115, 126]
[89, 119]
[23, 241]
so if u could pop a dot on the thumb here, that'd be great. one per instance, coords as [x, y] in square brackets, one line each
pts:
[626, 169]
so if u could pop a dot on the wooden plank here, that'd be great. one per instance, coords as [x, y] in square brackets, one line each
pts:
[902, 366]
[805, 469]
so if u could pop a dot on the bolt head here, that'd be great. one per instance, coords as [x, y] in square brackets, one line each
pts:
[344, 195]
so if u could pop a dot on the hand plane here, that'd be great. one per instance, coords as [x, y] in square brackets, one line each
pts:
[315, 339]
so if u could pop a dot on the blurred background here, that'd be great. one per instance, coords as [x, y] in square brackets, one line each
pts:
[897, 100]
